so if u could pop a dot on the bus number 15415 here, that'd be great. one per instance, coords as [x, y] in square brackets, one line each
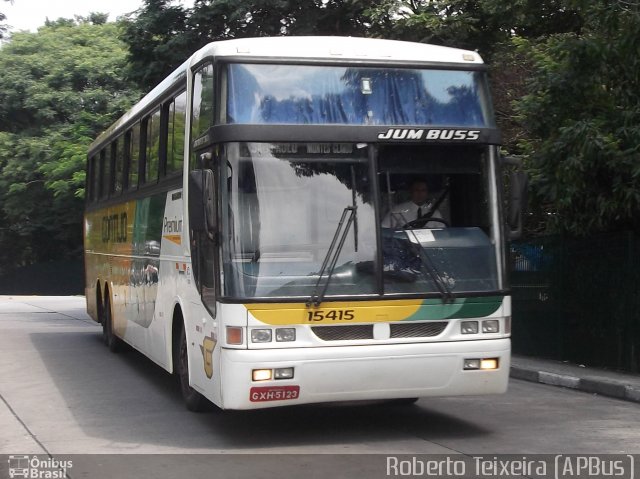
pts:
[333, 315]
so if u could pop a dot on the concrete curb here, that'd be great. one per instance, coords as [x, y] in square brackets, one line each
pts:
[611, 388]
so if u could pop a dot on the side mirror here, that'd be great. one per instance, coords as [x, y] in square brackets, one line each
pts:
[518, 197]
[202, 206]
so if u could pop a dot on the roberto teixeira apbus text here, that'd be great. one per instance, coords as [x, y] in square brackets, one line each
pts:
[551, 466]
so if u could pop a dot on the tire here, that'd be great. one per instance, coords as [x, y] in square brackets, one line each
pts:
[194, 401]
[103, 322]
[110, 339]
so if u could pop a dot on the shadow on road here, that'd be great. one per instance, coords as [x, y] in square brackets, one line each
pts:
[126, 398]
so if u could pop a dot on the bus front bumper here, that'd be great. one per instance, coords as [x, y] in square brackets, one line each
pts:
[351, 373]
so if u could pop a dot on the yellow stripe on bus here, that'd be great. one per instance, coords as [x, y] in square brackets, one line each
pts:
[350, 312]
[375, 311]
[177, 239]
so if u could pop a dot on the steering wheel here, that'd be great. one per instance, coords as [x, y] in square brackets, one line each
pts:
[418, 223]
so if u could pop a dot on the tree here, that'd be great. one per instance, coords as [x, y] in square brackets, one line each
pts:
[158, 39]
[481, 25]
[3, 28]
[582, 119]
[161, 35]
[59, 88]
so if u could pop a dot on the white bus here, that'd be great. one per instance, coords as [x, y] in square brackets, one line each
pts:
[238, 225]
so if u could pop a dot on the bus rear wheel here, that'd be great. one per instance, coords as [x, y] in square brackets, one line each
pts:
[110, 339]
[194, 401]
[103, 321]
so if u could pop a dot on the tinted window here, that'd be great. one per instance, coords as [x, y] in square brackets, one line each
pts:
[118, 151]
[202, 114]
[175, 141]
[153, 147]
[134, 156]
[303, 94]
[105, 174]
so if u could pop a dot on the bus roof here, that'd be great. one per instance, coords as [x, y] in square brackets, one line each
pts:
[337, 48]
[322, 49]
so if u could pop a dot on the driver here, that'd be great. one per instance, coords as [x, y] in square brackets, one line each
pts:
[414, 209]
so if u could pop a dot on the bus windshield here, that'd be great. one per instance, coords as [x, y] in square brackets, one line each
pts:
[347, 95]
[283, 203]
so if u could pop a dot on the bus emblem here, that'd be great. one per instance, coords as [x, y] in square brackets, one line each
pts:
[429, 134]
[207, 354]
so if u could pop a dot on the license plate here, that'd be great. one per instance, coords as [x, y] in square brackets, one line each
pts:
[274, 393]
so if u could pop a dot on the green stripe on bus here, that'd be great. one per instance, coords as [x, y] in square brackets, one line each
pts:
[435, 309]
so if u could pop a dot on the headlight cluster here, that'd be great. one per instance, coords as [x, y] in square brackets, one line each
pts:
[473, 327]
[477, 363]
[266, 335]
[269, 374]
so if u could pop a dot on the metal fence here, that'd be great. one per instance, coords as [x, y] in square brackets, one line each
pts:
[578, 299]
[62, 277]
[573, 299]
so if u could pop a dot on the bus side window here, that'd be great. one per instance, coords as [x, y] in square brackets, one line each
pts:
[119, 165]
[112, 167]
[202, 158]
[177, 111]
[152, 143]
[202, 108]
[134, 156]
[105, 174]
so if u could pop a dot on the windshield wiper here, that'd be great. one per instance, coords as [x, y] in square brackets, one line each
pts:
[426, 261]
[331, 258]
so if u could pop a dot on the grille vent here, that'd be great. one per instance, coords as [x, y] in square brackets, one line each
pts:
[365, 331]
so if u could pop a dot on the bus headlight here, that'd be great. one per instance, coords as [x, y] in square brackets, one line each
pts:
[491, 363]
[283, 373]
[471, 364]
[261, 335]
[491, 326]
[477, 363]
[469, 327]
[285, 334]
[262, 374]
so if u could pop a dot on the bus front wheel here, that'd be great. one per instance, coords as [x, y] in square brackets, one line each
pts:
[194, 401]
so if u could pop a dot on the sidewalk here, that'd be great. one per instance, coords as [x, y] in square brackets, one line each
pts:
[591, 380]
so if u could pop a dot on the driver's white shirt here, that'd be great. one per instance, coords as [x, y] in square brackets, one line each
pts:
[408, 211]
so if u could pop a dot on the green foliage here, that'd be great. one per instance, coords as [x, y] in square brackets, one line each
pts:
[481, 25]
[59, 88]
[157, 40]
[582, 119]
[3, 28]
[161, 35]
[564, 75]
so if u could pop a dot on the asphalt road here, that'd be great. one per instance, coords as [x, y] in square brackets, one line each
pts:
[62, 392]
